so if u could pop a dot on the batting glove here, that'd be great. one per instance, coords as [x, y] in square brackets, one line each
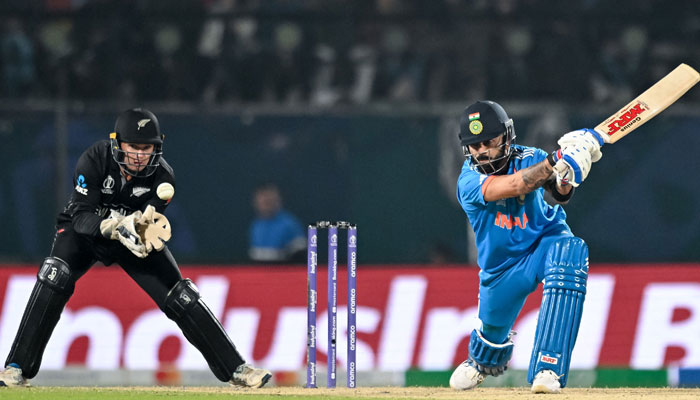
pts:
[572, 165]
[584, 138]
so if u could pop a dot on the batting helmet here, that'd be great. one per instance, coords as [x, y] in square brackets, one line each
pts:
[137, 125]
[484, 120]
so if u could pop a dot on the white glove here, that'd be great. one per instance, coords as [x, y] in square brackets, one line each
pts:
[584, 138]
[123, 229]
[153, 229]
[573, 166]
[108, 226]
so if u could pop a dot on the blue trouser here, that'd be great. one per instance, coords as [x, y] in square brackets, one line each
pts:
[502, 299]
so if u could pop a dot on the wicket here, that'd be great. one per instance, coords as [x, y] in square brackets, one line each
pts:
[312, 301]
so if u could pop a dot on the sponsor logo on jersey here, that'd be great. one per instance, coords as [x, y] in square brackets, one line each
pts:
[108, 185]
[140, 191]
[113, 212]
[507, 221]
[81, 186]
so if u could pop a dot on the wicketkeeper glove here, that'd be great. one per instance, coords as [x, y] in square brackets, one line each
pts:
[153, 229]
[123, 229]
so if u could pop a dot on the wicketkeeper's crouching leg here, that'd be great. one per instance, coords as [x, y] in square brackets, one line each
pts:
[184, 305]
[54, 286]
[485, 358]
[566, 274]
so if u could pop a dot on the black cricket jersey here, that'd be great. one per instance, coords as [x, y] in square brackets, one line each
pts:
[101, 188]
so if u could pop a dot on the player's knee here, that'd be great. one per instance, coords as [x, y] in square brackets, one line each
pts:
[490, 358]
[567, 264]
[56, 274]
[181, 299]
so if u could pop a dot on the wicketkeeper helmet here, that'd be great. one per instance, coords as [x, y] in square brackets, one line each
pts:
[137, 125]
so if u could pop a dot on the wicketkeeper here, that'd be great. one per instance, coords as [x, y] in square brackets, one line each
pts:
[522, 240]
[114, 215]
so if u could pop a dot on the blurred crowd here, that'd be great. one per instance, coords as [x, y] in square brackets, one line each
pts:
[334, 52]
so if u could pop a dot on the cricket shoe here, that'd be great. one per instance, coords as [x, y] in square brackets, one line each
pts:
[247, 376]
[546, 381]
[12, 377]
[466, 376]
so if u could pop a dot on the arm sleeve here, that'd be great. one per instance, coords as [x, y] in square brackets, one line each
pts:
[85, 199]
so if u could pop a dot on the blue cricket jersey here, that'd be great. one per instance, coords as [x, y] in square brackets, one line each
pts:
[508, 230]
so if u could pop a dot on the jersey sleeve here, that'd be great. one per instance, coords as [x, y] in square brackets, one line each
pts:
[85, 199]
[469, 189]
[539, 156]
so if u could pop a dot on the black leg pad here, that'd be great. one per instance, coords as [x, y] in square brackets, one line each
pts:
[184, 305]
[53, 288]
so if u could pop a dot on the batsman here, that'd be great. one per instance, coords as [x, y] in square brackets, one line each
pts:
[114, 215]
[521, 241]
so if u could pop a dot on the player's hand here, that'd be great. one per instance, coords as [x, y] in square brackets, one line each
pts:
[125, 232]
[573, 165]
[109, 225]
[153, 229]
[584, 138]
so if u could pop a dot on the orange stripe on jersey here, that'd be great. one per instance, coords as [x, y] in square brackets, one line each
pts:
[487, 181]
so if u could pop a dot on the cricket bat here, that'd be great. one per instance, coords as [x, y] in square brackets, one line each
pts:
[645, 107]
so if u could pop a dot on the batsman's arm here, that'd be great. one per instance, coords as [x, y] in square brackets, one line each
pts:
[561, 191]
[498, 187]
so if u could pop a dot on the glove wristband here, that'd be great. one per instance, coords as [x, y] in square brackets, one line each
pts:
[553, 157]
[596, 135]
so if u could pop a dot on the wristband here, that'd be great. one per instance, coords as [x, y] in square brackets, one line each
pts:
[553, 157]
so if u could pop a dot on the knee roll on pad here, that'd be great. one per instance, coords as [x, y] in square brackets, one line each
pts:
[181, 299]
[184, 305]
[56, 274]
[53, 288]
[489, 358]
[566, 274]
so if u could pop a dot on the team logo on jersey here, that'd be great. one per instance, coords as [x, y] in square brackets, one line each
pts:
[142, 123]
[108, 185]
[475, 127]
[81, 186]
[140, 190]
